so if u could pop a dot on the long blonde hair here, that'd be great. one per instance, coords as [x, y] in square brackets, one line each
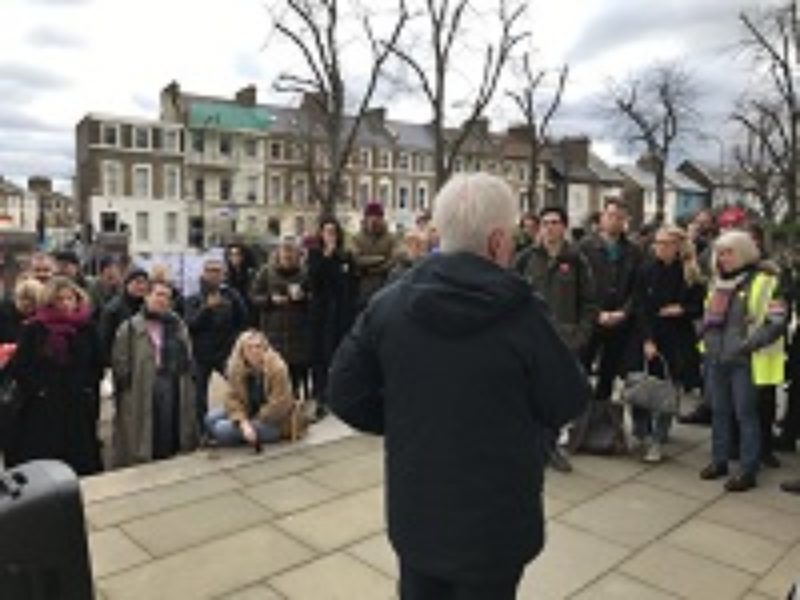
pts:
[50, 290]
[237, 366]
[687, 254]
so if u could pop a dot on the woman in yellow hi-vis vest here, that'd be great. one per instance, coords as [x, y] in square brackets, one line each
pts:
[743, 325]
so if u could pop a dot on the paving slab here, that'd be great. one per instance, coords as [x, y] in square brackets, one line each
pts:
[764, 521]
[781, 577]
[210, 570]
[267, 469]
[112, 551]
[681, 479]
[726, 545]
[118, 510]
[339, 522]
[612, 470]
[335, 577]
[377, 552]
[202, 521]
[346, 448]
[620, 587]
[574, 487]
[686, 574]
[632, 514]
[358, 472]
[255, 592]
[554, 506]
[570, 560]
[289, 494]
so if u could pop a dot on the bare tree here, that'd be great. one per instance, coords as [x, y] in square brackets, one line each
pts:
[446, 23]
[772, 37]
[762, 158]
[654, 110]
[538, 117]
[315, 29]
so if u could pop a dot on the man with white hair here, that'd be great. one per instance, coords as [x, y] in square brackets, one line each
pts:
[459, 367]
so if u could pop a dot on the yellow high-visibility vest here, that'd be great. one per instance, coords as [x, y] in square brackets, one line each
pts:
[767, 365]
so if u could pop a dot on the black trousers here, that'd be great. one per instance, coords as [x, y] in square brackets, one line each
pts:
[610, 348]
[415, 585]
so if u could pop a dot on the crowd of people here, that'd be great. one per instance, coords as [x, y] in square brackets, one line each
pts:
[270, 330]
[703, 306]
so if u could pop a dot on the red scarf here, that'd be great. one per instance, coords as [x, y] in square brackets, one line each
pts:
[61, 327]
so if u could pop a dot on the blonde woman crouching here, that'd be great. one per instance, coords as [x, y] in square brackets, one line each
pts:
[259, 406]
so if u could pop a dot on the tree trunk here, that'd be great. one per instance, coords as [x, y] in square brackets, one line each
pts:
[660, 190]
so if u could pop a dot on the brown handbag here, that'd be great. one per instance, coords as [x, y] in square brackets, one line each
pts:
[295, 426]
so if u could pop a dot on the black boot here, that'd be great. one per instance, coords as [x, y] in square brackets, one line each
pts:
[699, 416]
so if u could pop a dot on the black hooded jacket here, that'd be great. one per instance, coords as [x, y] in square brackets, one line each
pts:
[458, 366]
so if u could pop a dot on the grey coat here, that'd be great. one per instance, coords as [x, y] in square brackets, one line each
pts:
[735, 342]
[134, 368]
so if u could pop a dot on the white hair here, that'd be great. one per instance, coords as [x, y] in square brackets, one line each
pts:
[741, 243]
[468, 208]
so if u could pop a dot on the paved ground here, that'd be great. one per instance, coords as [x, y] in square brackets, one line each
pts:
[306, 522]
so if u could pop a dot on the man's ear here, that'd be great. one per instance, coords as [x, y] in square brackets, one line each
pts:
[493, 243]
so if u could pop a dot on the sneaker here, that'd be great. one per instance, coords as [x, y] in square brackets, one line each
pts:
[653, 453]
[741, 483]
[713, 471]
[558, 461]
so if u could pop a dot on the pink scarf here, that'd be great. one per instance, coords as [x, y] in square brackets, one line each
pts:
[61, 328]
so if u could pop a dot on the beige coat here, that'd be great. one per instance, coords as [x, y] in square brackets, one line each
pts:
[278, 401]
[133, 360]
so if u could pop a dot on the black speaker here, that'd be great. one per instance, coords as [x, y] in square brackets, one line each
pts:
[43, 550]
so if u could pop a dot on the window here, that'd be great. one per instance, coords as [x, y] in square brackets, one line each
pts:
[458, 165]
[299, 225]
[142, 227]
[200, 188]
[364, 192]
[402, 197]
[110, 135]
[250, 148]
[402, 161]
[225, 144]
[422, 197]
[416, 163]
[275, 150]
[142, 187]
[172, 140]
[112, 178]
[108, 222]
[141, 138]
[172, 182]
[276, 189]
[171, 228]
[288, 152]
[252, 223]
[384, 192]
[384, 160]
[299, 190]
[225, 189]
[252, 188]
[364, 157]
[198, 141]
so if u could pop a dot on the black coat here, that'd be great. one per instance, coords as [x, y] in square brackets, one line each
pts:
[121, 308]
[460, 369]
[10, 322]
[59, 409]
[660, 285]
[615, 280]
[214, 330]
[333, 286]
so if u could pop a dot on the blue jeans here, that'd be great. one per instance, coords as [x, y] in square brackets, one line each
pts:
[730, 391]
[227, 433]
[649, 423]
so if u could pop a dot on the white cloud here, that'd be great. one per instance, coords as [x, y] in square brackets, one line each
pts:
[64, 58]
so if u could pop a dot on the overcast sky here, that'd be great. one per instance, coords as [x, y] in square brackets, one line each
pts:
[60, 59]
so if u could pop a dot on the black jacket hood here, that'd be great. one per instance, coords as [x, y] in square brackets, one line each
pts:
[458, 294]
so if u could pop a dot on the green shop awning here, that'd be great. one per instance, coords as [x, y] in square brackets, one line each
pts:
[224, 115]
